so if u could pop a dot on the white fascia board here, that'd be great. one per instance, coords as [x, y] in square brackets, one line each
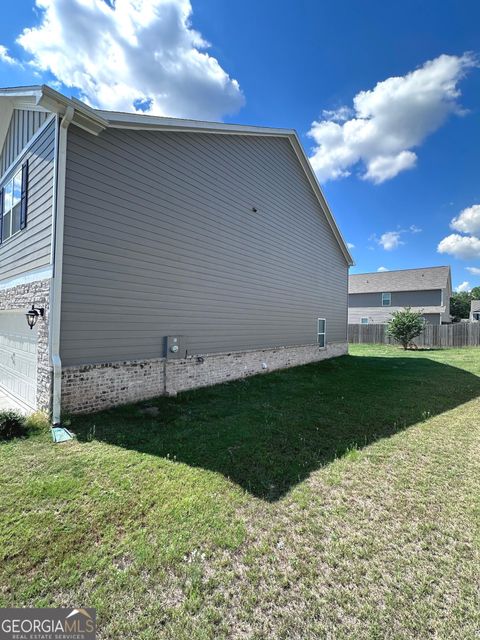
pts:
[24, 92]
[119, 120]
[43, 98]
[84, 117]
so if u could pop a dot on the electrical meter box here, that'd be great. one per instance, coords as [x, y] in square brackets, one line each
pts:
[174, 347]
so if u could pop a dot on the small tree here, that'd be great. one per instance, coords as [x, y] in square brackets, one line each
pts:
[475, 293]
[460, 305]
[405, 325]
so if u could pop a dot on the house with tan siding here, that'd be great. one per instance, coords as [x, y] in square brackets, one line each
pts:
[142, 255]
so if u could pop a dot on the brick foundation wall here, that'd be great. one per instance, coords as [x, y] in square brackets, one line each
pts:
[221, 367]
[98, 386]
[94, 387]
[22, 297]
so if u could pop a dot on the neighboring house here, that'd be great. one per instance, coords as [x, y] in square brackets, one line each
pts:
[164, 254]
[373, 297]
[475, 311]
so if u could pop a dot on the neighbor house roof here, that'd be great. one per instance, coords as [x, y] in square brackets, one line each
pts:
[44, 98]
[475, 305]
[403, 280]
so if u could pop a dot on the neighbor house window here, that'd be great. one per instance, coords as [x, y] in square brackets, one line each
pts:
[364, 321]
[322, 332]
[476, 316]
[386, 299]
[13, 204]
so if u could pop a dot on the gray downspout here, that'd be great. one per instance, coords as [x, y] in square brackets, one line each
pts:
[55, 309]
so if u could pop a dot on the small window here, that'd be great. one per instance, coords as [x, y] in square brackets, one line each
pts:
[476, 316]
[322, 332]
[364, 321]
[13, 203]
[386, 299]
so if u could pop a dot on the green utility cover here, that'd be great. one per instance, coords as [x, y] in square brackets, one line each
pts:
[60, 434]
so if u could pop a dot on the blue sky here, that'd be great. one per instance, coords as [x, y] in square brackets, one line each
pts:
[416, 166]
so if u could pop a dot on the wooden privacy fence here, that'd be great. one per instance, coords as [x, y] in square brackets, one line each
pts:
[460, 334]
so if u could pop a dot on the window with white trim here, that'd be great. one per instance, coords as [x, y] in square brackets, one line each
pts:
[322, 332]
[13, 204]
[386, 299]
[363, 320]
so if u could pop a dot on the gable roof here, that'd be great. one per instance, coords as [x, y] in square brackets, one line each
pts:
[42, 97]
[402, 280]
[475, 305]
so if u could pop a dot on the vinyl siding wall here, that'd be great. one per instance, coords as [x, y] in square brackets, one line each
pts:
[427, 298]
[161, 239]
[369, 305]
[31, 247]
[23, 126]
[381, 315]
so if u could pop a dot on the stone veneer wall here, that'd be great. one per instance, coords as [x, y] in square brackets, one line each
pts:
[94, 387]
[22, 297]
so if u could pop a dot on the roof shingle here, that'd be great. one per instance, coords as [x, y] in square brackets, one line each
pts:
[403, 280]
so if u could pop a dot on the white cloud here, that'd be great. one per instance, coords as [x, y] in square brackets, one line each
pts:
[393, 239]
[464, 286]
[388, 121]
[464, 247]
[474, 270]
[383, 168]
[468, 221]
[7, 58]
[382, 269]
[350, 245]
[131, 55]
[415, 229]
[390, 240]
[338, 115]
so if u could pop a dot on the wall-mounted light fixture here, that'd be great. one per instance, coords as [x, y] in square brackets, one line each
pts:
[32, 315]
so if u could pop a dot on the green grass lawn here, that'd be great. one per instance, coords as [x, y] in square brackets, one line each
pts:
[335, 500]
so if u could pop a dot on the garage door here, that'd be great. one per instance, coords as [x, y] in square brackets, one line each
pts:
[18, 357]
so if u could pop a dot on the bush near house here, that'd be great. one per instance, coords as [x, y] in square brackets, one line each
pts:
[12, 425]
[405, 326]
[37, 422]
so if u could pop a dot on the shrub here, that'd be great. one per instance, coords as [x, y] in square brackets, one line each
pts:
[38, 421]
[12, 425]
[405, 326]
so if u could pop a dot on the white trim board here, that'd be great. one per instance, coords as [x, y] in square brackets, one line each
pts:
[43, 273]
